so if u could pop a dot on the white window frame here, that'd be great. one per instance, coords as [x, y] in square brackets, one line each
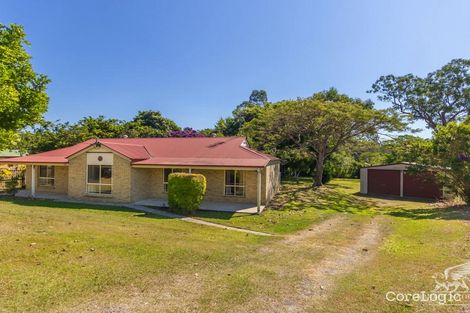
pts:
[173, 170]
[49, 181]
[100, 183]
[243, 186]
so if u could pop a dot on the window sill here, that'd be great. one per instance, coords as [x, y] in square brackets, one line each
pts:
[234, 196]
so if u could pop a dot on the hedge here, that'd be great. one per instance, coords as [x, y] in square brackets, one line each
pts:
[186, 191]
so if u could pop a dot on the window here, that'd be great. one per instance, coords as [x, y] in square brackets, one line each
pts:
[234, 183]
[100, 179]
[167, 172]
[46, 175]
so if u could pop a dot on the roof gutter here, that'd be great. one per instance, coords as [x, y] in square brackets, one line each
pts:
[210, 167]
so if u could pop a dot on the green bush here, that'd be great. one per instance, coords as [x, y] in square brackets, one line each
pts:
[12, 185]
[186, 191]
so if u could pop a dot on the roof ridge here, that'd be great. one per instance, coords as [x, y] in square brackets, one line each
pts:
[255, 152]
[124, 144]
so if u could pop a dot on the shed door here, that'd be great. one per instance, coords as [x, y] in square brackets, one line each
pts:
[385, 182]
[422, 185]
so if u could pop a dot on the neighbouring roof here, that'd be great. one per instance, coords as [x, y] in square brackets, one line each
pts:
[199, 151]
[9, 153]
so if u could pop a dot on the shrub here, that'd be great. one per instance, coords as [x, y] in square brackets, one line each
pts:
[11, 185]
[186, 191]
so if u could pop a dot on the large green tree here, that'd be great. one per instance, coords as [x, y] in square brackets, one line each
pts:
[243, 113]
[406, 148]
[52, 135]
[150, 124]
[49, 135]
[441, 97]
[451, 144]
[332, 95]
[23, 98]
[315, 127]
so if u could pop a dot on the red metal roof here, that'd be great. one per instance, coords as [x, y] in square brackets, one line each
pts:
[218, 151]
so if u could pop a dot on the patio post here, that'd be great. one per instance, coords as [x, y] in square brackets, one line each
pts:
[258, 191]
[33, 180]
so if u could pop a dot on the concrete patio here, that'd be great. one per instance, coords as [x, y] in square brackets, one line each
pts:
[247, 208]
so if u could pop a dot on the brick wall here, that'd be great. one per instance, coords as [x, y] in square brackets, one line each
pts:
[216, 184]
[148, 183]
[60, 184]
[272, 176]
[134, 184]
[141, 184]
[121, 190]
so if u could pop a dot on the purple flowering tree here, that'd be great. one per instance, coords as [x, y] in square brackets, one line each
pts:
[186, 132]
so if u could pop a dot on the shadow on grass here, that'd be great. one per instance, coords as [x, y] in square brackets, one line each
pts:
[340, 186]
[202, 213]
[217, 215]
[459, 212]
[294, 197]
[373, 197]
[78, 206]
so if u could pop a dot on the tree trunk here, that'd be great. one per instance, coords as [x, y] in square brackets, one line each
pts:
[318, 174]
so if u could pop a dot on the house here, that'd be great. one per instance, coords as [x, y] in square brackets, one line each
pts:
[9, 171]
[396, 180]
[130, 170]
[9, 154]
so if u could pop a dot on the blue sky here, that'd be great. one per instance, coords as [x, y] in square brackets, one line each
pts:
[196, 60]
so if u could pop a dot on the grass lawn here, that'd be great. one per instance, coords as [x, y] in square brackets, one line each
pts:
[54, 253]
[348, 251]
[297, 206]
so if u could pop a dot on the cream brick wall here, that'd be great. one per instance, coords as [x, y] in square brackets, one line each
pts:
[141, 184]
[134, 184]
[60, 177]
[152, 186]
[215, 180]
[272, 177]
[121, 190]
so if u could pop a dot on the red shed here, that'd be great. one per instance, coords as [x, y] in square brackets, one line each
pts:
[395, 180]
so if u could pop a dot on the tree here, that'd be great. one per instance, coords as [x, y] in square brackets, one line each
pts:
[295, 163]
[451, 145]
[99, 127]
[53, 135]
[150, 124]
[186, 132]
[23, 98]
[316, 127]
[442, 97]
[332, 95]
[258, 97]
[407, 148]
[49, 135]
[243, 113]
